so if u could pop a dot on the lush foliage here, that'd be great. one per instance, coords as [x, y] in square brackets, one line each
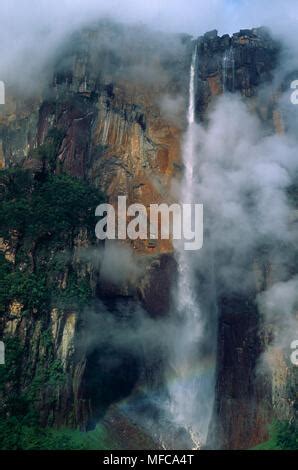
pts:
[283, 436]
[56, 205]
[19, 428]
[48, 151]
[40, 215]
[15, 435]
[28, 288]
[46, 214]
[18, 400]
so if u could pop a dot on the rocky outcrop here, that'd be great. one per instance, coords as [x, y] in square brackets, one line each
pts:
[238, 63]
[107, 126]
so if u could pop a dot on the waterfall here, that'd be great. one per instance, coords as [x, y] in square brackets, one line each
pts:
[176, 410]
[228, 68]
[224, 71]
[184, 385]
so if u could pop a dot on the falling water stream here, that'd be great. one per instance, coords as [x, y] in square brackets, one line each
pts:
[183, 389]
[178, 416]
[228, 64]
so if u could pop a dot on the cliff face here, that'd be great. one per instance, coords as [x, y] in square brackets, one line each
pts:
[101, 121]
[240, 63]
[113, 130]
[247, 397]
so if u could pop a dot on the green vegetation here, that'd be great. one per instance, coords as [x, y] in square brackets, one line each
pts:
[15, 435]
[46, 215]
[10, 373]
[19, 424]
[47, 152]
[57, 205]
[28, 288]
[40, 215]
[283, 436]
[18, 400]
[76, 294]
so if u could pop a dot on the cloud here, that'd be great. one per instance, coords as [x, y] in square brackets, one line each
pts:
[281, 300]
[173, 108]
[33, 31]
[120, 264]
[127, 327]
[279, 306]
[115, 261]
[243, 174]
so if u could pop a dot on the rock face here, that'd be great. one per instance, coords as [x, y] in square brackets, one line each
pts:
[246, 398]
[102, 120]
[240, 63]
[109, 118]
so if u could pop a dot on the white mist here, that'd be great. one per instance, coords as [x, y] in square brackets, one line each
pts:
[183, 385]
